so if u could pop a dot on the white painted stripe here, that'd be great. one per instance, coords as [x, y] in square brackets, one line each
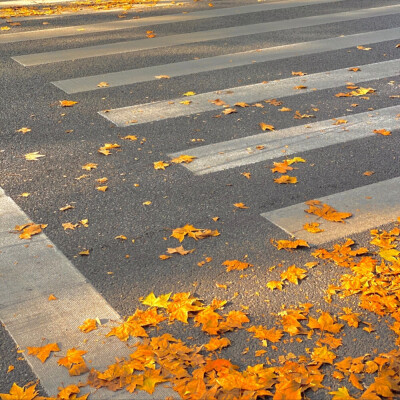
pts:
[29, 272]
[238, 152]
[201, 36]
[132, 76]
[372, 205]
[150, 112]
[152, 21]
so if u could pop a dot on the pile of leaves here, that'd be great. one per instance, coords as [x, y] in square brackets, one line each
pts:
[198, 372]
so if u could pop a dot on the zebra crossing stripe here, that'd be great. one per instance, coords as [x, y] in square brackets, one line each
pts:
[161, 110]
[238, 152]
[201, 36]
[372, 206]
[32, 270]
[153, 21]
[132, 76]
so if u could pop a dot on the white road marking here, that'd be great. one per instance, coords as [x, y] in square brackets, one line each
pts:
[151, 21]
[29, 272]
[238, 152]
[127, 77]
[201, 36]
[372, 205]
[150, 112]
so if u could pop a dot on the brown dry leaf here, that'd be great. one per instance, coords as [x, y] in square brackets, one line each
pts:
[24, 130]
[88, 325]
[266, 127]
[241, 104]
[274, 102]
[286, 179]
[163, 257]
[162, 77]
[246, 174]
[89, 166]
[289, 244]
[179, 250]
[240, 205]
[103, 84]
[285, 109]
[30, 229]
[33, 156]
[43, 353]
[67, 103]
[382, 132]
[236, 265]
[183, 159]
[298, 73]
[364, 48]
[84, 253]
[326, 212]
[313, 227]
[218, 102]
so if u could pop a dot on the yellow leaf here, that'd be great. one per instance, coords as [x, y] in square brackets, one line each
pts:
[25, 194]
[164, 257]
[69, 225]
[146, 203]
[130, 137]
[217, 344]
[183, 159]
[364, 48]
[43, 353]
[122, 237]
[229, 110]
[84, 253]
[162, 77]
[241, 104]
[286, 179]
[103, 84]
[362, 91]
[235, 265]
[355, 69]
[339, 121]
[152, 301]
[5, 28]
[326, 212]
[189, 94]
[185, 102]
[298, 73]
[288, 244]
[33, 156]
[67, 103]
[266, 127]
[313, 227]
[342, 394]
[160, 165]
[383, 132]
[89, 166]
[24, 130]
[10, 368]
[293, 274]
[30, 229]
[285, 109]
[20, 393]
[323, 355]
[88, 325]
[299, 87]
[102, 188]
[240, 205]
[275, 285]
[246, 174]
[52, 298]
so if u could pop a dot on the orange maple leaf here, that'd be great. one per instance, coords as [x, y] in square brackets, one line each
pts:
[217, 344]
[183, 159]
[88, 325]
[293, 274]
[289, 244]
[325, 323]
[236, 265]
[20, 393]
[326, 212]
[286, 179]
[260, 332]
[43, 352]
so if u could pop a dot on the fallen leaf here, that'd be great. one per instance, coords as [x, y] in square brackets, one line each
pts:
[66, 207]
[286, 179]
[246, 174]
[88, 325]
[24, 130]
[20, 393]
[383, 132]
[368, 173]
[326, 212]
[298, 73]
[240, 205]
[103, 84]
[313, 227]
[179, 250]
[84, 253]
[218, 102]
[67, 103]
[33, 156]
[355, 69]
[281, 167]
[147, 203]
[266, 127]
[300, 87]
[69, 225]
[274, 102]
[152, 301]
[191, 231]
[164, 257]
[10, 368]
[43, 353]
[293, 274]
[339, 121]
[160, 165]
[89, 166]
[189, 93]
[29, 229]
[229, 110]
[217, 344]
[186, 102]
[364, 48]
[52, 298]
[162, 76]
[236, 265]
[289, 244]
[130, 137]
[183, 159]
[285, 109]
[298, 115]
[25, 194]
[241, 104]
[121, 237]
[275, 285]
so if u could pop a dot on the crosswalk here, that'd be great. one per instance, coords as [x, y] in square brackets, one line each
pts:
[372, 205]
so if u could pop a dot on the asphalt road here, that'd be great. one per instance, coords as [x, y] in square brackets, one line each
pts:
[123, 271]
